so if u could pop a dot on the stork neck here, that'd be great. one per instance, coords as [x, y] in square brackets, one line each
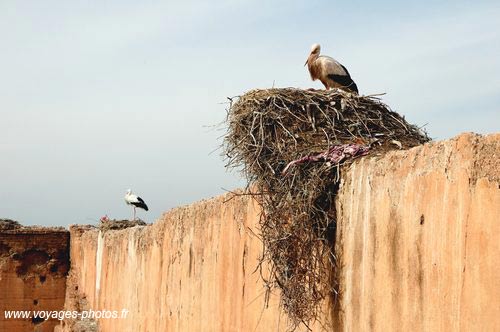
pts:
[310, 61]
[312, 58]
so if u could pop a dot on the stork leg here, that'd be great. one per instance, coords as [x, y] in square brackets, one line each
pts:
[134, 214]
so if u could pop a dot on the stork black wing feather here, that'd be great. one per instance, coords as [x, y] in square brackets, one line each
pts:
[345, 81]
[141, 204]
[341, 65]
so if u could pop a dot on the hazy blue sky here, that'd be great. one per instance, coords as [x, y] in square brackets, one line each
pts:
[100, 96]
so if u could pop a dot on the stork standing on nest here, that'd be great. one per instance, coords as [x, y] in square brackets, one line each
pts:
[135, 201]
[329, 71]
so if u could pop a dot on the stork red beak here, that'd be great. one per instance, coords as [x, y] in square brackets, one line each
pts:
[307, 61]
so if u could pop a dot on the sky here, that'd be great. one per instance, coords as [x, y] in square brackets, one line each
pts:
[97, 97]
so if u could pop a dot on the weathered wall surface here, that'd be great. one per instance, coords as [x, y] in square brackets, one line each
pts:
[33, 267]
[193, 270]
[417, 245]
[419, 239]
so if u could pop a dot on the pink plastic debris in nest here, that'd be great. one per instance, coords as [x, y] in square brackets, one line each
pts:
[336, 154]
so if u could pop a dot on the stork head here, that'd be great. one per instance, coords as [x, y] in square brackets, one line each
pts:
[129, 191]
[315, 49]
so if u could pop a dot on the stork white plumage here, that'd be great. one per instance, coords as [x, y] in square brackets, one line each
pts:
[135, 201]
[329, 71]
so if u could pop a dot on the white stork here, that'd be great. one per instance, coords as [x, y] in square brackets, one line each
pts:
[329, 71]
[135, 201]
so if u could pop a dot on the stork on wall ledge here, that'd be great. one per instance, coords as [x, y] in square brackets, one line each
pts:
[135, 201]
[329, 71]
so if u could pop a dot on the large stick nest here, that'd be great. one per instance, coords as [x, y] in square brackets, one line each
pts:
[283, 140]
